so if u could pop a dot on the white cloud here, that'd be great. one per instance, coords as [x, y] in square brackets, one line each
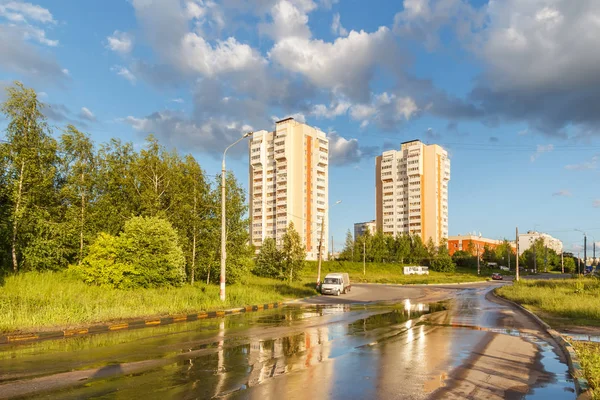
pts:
[587, 165]
[344, 151]
[297, 116]
[86, 114]
[120, 42]
[124, 72]
[541, 149]
[18, 11]
[387, 110]
[345, 65]
[176, 129]
[334, 110]
[562, 193]
[178, 100]
[336, 26]
[288, 21]
[226, 56]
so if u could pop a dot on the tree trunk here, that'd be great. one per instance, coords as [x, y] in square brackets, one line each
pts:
[193, 269]
[208, 275]
[16, 218]
[82, 220]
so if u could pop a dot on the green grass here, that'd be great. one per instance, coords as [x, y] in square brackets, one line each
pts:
[37, 301]
[389, 273]
[589, 356]
[561, 302]
[56, 300]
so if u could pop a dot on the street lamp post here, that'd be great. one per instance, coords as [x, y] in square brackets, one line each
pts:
[584, 248]
[321, 242]
[223, 218]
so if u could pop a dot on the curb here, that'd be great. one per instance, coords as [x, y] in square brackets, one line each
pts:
[132, 324]
[419, 284]
[581, 384]
[302, 299]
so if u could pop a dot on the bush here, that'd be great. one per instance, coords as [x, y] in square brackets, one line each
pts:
[443, 263]
[146, 254]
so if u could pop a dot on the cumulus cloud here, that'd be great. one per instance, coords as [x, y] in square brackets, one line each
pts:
[562, 193]
[386, 110]
[344, 151]
[120, 42]
[18, 11]
[336, 26]
[345, 65]
[587, 165]
[124, 73]
[86, 114]
[333, 110]
[178, 130]
[541, 149]
[24, 45]
[289, 20]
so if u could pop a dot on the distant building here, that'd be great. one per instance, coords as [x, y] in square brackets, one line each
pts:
[361, 227]
[289, 169]
[411, 191]
[527, 239]
[469, 243]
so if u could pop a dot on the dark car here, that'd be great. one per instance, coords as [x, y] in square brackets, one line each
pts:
[496, 276]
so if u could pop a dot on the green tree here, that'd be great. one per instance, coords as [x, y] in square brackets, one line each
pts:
[464, 259]
[78, 190]
[29, 175]
[348, 251]
[402, 246]
[117, 198]
[269, 261]
[146, 254]
[418, 252]
[378, 250]
[293, 253]
[442, 263]
[570, 265]
[239, 252]
[192, 211]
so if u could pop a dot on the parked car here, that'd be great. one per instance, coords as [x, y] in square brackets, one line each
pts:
[336, 283]
[496, 276]
[504, 268]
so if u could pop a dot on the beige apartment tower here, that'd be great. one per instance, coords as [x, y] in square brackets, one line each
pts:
[411, 191]
[289, 183]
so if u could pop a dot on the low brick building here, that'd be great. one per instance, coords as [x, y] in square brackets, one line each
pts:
[469, 244]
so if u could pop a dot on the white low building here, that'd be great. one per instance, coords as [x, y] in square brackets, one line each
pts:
[526, 240]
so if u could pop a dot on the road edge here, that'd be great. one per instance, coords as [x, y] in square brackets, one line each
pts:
[130, 324]
[581, 383]
[420, 284]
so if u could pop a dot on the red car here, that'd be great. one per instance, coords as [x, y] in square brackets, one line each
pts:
[496, 276]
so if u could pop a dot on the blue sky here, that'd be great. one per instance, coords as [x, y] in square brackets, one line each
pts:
[510, 88]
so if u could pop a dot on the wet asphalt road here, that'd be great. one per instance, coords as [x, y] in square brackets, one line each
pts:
[407, 348]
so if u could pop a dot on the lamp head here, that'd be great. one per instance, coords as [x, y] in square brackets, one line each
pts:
[248, 134]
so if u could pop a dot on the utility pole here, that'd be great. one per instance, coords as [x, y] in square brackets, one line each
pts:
[517, 248]
[584, 252]
[578, 263]
[320, 248]
[534, 259]
[478, 268]
[332, 248]
[364, 257]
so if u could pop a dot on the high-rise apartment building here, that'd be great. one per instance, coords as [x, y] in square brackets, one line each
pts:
[411, 190]
[289, 183]
[360, 228]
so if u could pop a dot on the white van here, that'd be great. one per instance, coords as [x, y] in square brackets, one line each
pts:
[337, 283]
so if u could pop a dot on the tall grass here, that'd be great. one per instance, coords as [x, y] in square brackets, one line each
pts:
[389, 273]
[34, 301]
[589, 355]
[574, 301]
